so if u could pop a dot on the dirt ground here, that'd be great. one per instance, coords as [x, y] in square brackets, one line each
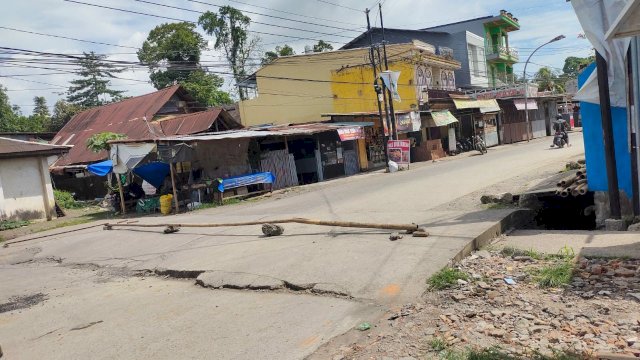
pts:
[596, 313]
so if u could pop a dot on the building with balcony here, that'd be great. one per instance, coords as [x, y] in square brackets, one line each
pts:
[499, 55]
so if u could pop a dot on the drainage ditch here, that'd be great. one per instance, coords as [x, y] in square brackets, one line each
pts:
[553, 212]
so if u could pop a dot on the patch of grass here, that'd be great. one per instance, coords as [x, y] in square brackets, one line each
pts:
[511, 251]
[446, 278]
[12, 224]
[495, 353]
[65, 200]
[500, 206]
[556, 275]
[437, 344]
[566, 254]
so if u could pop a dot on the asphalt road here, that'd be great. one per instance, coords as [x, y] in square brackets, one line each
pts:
[284, 296]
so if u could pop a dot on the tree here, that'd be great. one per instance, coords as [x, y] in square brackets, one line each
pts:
[205, 88]
[229, 27]
[572, 65]
[279, 51]
[548, 80]
[11, 118]
[172, 53]
[175, 47]
[62, 113]
[92, 89]
[40, 120]
[322, 46]
[99, 142]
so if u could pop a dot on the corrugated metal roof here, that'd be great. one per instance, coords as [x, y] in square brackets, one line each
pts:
[124, 117]
[17, 148]
[190, 123]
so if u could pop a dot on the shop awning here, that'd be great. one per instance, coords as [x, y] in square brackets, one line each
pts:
[440, 118]
[531, 104]
[489, 106]
[466, 103]
[485, 106]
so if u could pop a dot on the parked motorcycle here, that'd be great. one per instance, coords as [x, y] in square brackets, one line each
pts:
[480, 145]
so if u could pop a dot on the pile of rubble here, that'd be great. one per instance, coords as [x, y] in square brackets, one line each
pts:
[501, 305]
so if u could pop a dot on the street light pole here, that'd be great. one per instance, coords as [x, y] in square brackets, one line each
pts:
[526, 84]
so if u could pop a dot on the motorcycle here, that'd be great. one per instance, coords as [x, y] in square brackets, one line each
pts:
[559, 139]
[479, 144]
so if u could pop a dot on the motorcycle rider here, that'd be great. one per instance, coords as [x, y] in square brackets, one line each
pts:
[560, 125]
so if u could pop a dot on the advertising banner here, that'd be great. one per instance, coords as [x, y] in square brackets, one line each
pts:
[399, 151]
[354, 133]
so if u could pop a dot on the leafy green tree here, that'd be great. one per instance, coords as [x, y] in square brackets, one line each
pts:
[7, 114]
[62, 113]
[205, 88]
[92, 88]
[548, 80]
[279, 51]
[99, 142]
[40, 120]
[172, 52]
[572, 65]
[322, 46]
[230, 29]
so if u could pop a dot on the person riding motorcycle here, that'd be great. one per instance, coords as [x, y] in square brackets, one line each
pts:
[560, 125]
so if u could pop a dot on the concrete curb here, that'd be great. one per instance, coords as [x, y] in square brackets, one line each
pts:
[511, 221]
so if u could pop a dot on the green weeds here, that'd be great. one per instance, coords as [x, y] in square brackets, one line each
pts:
[446, 278]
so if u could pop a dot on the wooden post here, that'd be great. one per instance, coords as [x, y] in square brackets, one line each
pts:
[173, 185]
[122, 205]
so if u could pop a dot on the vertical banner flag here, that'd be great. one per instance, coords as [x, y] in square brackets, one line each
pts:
[390, 79]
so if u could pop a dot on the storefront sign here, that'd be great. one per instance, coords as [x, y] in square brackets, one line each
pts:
[515, 91]
[405, 123]
[348, 134]
[399, 151]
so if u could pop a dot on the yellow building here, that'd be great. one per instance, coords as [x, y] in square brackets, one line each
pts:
[300, 88]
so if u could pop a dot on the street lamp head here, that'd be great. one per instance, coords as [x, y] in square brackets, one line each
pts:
[558, 38]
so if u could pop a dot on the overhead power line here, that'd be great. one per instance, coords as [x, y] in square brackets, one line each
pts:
[341, 6]
[275, 16]
[183, 20]
[294, 14]
[66, 37]
[253, 22]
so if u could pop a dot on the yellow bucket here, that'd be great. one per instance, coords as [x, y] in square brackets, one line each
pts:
[165, 204]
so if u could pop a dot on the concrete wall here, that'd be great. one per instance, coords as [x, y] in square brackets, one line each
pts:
[23, 195]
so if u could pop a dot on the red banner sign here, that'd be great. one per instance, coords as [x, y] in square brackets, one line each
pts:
[399, 151]
[353, 133]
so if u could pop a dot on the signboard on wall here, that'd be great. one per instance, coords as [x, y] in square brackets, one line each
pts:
[512, 92]
[353, 133]
[399, 151]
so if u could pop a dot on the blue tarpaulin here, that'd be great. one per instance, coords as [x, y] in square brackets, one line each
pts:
[153, 173]
[244, 180]
[102, 168]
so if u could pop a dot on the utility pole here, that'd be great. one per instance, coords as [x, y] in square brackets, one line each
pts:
[393, 131]
[375, 81]
[607, 132]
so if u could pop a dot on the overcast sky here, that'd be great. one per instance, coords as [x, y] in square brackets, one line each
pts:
[540, 21]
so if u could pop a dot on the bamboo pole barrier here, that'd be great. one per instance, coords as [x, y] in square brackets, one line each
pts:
[409, 228]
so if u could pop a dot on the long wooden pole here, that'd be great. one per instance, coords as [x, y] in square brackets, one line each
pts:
[173, 185]
[122, 205]
[407, 227]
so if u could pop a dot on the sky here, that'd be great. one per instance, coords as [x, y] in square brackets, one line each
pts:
[330, 20]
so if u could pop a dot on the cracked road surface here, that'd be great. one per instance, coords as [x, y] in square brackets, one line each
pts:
[229, 293]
